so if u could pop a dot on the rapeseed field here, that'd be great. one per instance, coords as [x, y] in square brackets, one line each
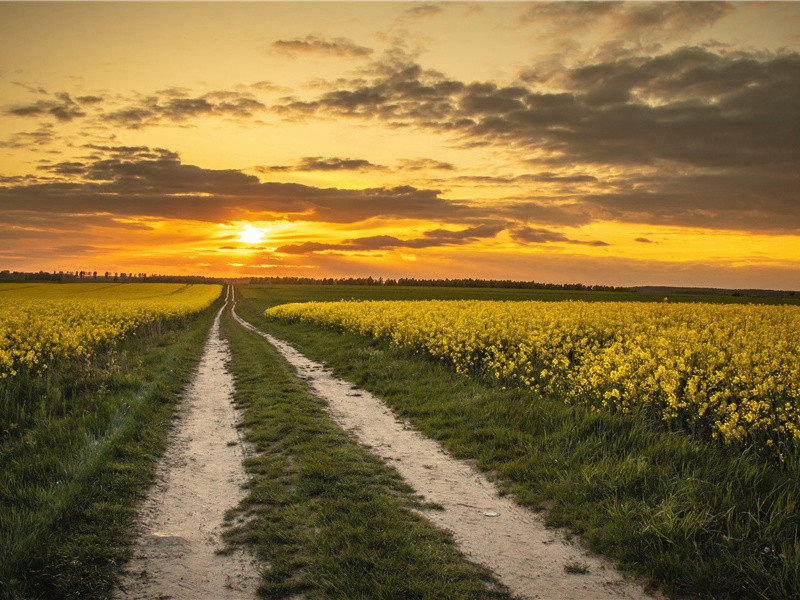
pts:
[724, 372]
[44, 322]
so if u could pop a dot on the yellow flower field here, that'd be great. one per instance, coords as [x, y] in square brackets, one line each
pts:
[729, 372]
[43, 322]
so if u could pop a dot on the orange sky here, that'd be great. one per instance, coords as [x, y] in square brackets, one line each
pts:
[602, 143]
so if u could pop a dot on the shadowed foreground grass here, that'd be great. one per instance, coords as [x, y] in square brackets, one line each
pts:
[73, 469]
[695, 518]
[328, 518]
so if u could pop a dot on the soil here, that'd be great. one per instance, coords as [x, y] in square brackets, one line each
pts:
[532, 560]
[199, 478]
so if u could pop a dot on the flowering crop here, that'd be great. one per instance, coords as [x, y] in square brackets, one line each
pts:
[729, 372]
[43, 322]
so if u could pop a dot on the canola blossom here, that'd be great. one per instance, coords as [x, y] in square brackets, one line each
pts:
[44, 322]
[728, 372]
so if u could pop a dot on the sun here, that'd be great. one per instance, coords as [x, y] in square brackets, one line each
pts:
[252, 235]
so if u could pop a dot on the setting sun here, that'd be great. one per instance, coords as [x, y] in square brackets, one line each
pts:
[252, 235]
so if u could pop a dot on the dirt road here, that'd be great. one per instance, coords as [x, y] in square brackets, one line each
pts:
[199, 479]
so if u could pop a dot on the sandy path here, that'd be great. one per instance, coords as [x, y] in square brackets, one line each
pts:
[491, 530]
[199, 478]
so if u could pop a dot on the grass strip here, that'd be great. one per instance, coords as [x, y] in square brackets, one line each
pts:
[70, 480]
[328, 518]
[695, 518]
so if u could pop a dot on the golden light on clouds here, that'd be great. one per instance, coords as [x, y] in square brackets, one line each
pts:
[614, 143]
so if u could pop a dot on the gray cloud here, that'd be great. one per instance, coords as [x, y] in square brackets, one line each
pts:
[172, 105]
[719, 129]
[312, 44]
[89, 99]
[319, 163]
[131, 181]
[431, 239]
[41, 137]
[531, 235]
[630, 22]
[419, 164]
[178, 108]
[424, 10]
[62, 107]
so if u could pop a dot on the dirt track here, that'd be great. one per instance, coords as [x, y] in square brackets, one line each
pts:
[199, 478]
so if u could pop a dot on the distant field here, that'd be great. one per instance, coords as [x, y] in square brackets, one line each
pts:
[279, 294]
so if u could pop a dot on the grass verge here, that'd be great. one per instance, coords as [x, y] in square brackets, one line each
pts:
[696, 519]
[328, 518]
[71, 474]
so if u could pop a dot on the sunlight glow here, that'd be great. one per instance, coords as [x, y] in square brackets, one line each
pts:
[252, 235]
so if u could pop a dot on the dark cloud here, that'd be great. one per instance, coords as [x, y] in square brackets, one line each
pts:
[43, 136]
[719, 129]
[632, 22]
[131, 181]
[419, 164]
[424, 10]
[401, 92]
[471, 233]
[312, 44]
[431, 239]
[319, 163]
[543, 177]
[65, 168]
[61, 106]
[177, 107]
[644, 240]
[531, 235]
[89, 99]
[172, 105]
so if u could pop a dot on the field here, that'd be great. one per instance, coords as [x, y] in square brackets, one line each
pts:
[665, 498]
[722, 372]
[613, 417]
[42, 323]
[89, 376]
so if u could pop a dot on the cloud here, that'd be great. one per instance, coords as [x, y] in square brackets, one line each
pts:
[319, 163]
[531, 235]
[420, 164]
[424, 10]
[43, 136]
[430, 239]
[178, 108]
[629, 23]
[62, 107]
[168, 106]
[543, 177]
[134, 181]
[312, 44]
[694, 137]
[89, 99]
[644, 240]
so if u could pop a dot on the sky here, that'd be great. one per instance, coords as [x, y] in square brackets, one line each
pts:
[629, 143]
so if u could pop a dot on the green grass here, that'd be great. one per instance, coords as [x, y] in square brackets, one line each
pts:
[280, 294]
[77, 451]
[326, 517]
[694, 517]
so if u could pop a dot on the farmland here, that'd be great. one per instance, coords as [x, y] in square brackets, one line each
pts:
[90, 377]
[726, 372]
[520, 382]
[665, 498]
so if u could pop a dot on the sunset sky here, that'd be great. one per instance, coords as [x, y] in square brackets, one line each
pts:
[602, 143]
